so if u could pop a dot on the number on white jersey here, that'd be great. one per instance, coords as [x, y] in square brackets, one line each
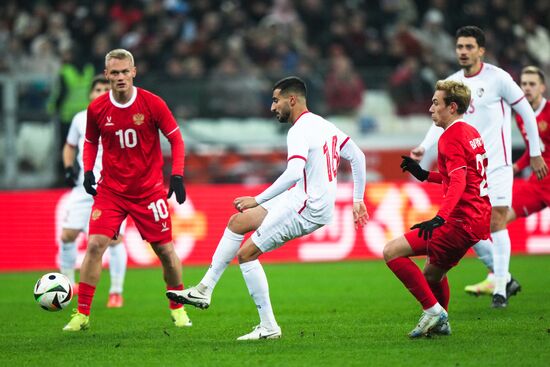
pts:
[160, 210]
[127, 138]
[333, 160]
[481, 163]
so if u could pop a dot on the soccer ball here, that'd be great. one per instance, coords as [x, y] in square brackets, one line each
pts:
[53, 291]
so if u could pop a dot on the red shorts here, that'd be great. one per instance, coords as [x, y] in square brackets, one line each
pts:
[151, 215]
[448, 245]
[529, 197]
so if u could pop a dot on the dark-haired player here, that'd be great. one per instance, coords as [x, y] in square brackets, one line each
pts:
[299, 202]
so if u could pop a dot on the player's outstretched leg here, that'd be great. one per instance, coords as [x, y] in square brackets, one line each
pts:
[191, 296]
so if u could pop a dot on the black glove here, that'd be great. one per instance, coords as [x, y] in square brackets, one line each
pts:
[176, 186]
[427, 227]
[69, 176]
[409, 164]
[89, 181]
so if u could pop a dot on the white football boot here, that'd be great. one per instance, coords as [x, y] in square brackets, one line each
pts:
[190, 296]
[427, 323]
[261, 332]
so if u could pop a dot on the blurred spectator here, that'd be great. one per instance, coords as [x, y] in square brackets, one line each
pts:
[434, 38]
[71, 91]
[344, 89]
[536, 38]
[409, 91]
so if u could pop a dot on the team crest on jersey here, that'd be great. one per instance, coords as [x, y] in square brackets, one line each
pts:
[543, 125]
[96, 214]
[138, 118]
[480, 92]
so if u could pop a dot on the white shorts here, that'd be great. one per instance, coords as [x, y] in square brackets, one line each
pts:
[79, 209]
[500, 181]
[281, 224]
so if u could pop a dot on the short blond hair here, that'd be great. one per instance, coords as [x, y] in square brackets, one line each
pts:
[456, 92]
[534, 70]
[119, 54]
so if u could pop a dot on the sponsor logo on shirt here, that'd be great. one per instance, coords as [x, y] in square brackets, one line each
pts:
[109, 123]
[480, 92]
[165, 227]
[138, 118]
[96, 214]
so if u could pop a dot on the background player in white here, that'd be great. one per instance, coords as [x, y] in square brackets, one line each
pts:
[494, 94]
[532, 195]
[79, 205]
[280, 213]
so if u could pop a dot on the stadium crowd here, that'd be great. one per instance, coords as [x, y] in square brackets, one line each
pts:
[197, 53]
[214, 58]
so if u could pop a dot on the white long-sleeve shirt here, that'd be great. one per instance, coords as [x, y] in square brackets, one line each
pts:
[315, 147]
[494, 94]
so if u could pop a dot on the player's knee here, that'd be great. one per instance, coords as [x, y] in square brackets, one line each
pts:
[237, 224]
[68, 236]
[96, 247]
[389, 251]
[432, 278]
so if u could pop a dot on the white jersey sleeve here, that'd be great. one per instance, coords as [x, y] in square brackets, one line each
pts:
[73, 136]
[432, 136]
[356, 157]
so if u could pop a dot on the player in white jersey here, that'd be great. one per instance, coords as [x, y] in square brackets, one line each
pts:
[299, 202]
[494, 94]
[79, 205]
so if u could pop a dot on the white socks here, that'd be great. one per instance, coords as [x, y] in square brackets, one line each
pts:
[117, 267]
[225, 253]
[67, 259]
[256, 281]
[434, 310]
[501, 260]
[484, 250]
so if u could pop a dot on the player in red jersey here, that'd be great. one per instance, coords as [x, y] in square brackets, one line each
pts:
[533, 195]
[128, 119]
[462, 220]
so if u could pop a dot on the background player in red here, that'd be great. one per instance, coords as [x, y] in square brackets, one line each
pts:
[533, 195]
[127, 119]
[462, 220]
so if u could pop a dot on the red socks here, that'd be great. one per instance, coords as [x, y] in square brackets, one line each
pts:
[411, 276]
[441, 292]
[85, 297]
[175, 305]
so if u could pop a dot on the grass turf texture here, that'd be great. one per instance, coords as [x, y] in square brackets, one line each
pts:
[351, 313]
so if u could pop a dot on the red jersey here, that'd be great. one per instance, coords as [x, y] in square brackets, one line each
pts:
[132, 157]
[461, 147]
[543, 120]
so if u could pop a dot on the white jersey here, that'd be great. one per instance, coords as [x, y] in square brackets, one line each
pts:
[75, 137]
[318, 142]
[493, 93]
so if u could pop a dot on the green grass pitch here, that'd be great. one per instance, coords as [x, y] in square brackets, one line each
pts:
[331, 314]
